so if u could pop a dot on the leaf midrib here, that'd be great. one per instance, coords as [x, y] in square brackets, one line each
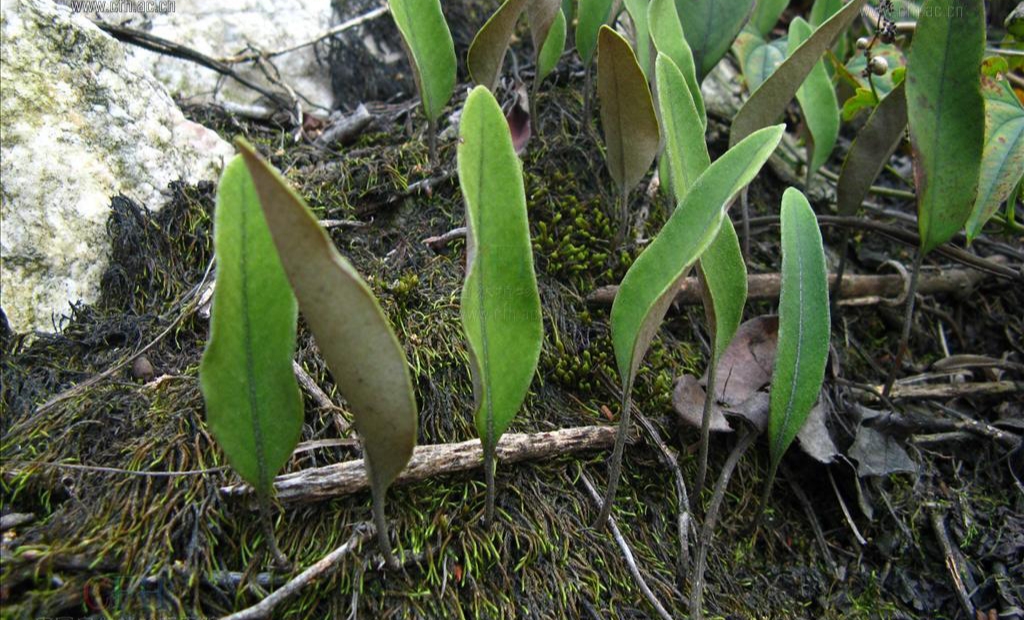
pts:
[935, 127]
[250, 362]
[485, 365]
[779, 439]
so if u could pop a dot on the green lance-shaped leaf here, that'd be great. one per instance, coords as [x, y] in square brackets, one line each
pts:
[487, 51]
[686, 151]
[725, 280]
[710, 27]
[1002, 161]
[253, 404]
[500, 304]
[428, 42]
[870, 151]
[722, 269]
[667, 34]
[767, 103]
[758, 58]
[627, 111]
[818, 102]
[722, 266]
[946, 115]
[651, 283]
[824, 9]
[804, 326]
[353, 334]
[591, 15]
[766, 15]
[554, 45]
[637, 10]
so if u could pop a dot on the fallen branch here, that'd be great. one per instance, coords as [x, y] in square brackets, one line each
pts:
[440, 241]
[163, 46]
[345, 129]
[944, 391]
[954, 562]
[340, 28]
[264, 608]
[429, 461]
[958, 282]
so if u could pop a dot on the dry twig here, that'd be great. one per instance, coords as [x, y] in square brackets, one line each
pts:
[859, 288]
[322, 568]
[434, 460]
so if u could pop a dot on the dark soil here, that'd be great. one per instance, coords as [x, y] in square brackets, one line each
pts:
[152, 546]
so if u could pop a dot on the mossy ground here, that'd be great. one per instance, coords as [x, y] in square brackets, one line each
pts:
[134, 546]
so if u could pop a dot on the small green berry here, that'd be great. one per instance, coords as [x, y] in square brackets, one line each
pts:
[879, 65]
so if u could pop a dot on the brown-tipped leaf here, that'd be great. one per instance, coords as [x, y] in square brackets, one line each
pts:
[352, 332]
[627, 111]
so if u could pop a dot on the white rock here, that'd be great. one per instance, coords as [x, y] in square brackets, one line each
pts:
[79, 123]
[223, 28]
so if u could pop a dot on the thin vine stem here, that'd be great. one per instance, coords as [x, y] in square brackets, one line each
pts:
[908, 316]
[707, 533]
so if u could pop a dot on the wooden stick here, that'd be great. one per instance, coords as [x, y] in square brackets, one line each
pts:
[429, 461]
[264, 608]
[766, 286]
[954, 563]
[944, 391]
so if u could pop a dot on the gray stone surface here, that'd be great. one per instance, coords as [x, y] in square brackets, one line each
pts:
[225, 28]
[80, 122]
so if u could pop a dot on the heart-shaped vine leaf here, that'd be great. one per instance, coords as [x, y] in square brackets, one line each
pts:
[591, 15]
[253, 404]
[428, 42]
[650, 285]
[627, 111]
[500, 305]
[804, 326]
[487, 51]
[353, 334]
[946, 115]
[883, 84]
[870, 151]
[818, 102]
[758, 58]
[710, 27]
[667, 34]
[767, 103]
[1002, 162]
